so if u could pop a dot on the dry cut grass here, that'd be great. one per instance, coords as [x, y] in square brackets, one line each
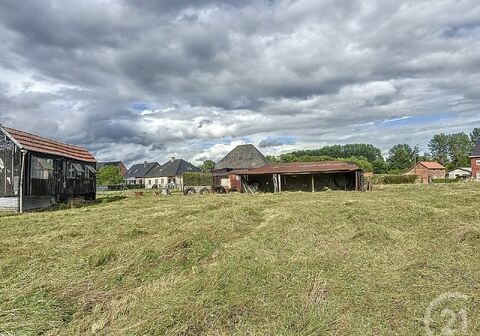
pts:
[332, 263]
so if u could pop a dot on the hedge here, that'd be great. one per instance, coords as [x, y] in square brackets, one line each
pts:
[197, 179]
[448, 180]
[394, 179]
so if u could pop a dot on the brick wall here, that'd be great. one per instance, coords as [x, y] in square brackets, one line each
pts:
[476, 167]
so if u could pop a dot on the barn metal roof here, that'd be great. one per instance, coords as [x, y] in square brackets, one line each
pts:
[40, 144]
[300, 167]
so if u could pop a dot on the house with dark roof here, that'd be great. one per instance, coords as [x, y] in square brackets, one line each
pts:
[170, 174]
[119, 164]
[36, 172]
[136, 174]
[427, 170]
[475, 160]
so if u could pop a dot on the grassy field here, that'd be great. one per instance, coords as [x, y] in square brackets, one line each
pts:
[332, 263]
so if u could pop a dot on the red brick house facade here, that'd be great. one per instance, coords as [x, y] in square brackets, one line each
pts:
[427, 171]
[475, 161]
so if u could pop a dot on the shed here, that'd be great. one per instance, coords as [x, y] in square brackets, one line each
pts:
[460, 173]
[475, 160]
[301, 176]
[427, 170]
[36, 172]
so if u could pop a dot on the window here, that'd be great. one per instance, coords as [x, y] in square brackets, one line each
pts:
[478, 162]
[42, 169]
[156, 181]
[149, 181]
[162, 181]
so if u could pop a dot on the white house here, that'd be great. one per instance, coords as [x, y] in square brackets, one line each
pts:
[169, 174]
[460, 173]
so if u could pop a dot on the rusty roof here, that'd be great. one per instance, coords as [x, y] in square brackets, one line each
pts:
[431, 165]
[300, 167]
[40, 144]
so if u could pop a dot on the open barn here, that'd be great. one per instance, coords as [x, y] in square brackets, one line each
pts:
[301, 176]
[36, 172]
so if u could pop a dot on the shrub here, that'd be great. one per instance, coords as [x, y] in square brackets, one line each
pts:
[197, 179]
[448, 180]
[394, 179]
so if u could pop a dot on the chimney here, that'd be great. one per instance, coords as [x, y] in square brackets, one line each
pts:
[145, 163]
[172, 159]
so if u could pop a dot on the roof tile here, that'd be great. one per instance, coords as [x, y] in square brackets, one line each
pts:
[40, 144]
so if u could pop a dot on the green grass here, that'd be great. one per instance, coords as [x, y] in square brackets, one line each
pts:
[332, 263]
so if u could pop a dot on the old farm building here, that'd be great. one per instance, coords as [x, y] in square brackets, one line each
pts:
[475, 158]
[242, 157]
[36, 172]
[246, 169]
[302, 176]
[427, 171]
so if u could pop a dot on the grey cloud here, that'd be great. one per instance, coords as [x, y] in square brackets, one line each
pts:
[312, 69]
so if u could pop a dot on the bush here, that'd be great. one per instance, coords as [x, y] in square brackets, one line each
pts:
[448, 180]
[197, 179]
[394, 179]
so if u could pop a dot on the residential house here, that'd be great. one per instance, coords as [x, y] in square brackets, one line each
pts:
[427, 170]
[36, 172]
[136, 174]
[475, 161]
[460, 173]
[119, 164]
[170, 174]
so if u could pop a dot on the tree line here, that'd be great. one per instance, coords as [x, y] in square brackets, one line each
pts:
[451, 150]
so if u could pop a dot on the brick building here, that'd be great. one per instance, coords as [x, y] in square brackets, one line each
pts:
[427, 171]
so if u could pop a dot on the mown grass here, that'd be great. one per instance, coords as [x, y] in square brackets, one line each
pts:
[332, 263]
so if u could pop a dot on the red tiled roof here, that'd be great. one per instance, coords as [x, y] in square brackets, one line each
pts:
[40, 144]
[300, 167]
[431, 165]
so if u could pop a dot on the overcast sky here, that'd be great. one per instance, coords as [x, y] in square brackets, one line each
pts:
[146, 80]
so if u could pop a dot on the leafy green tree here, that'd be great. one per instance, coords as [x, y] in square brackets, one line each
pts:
[439, 148]
[367, 151]
[379, 166]
[475, 135]
[109, 175]
[459, 149]
[401, 157]
[272, 159]
[207, 166]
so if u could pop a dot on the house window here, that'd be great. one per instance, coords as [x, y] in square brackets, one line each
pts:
[42, 169]
[173, 180]
[149, 182]
[478, 162]
[162, 181]
[156, 181]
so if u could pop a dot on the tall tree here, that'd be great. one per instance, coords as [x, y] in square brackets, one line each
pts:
[401, 157]
[459, 149]
[475, 135]
[439, 148]
[109, 175]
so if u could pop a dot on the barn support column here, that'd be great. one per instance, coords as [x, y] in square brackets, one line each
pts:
[22, 177]
[313, 183]
[279, 183]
